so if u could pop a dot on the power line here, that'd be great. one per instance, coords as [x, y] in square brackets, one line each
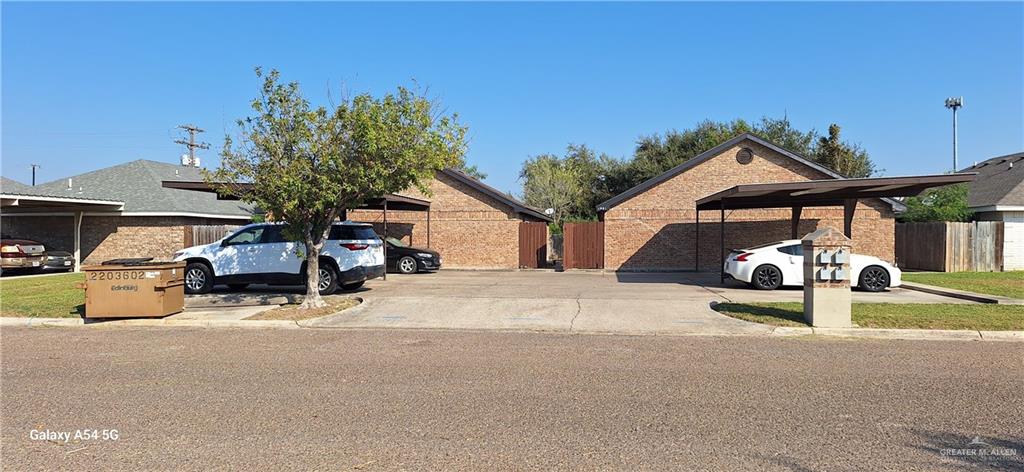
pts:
[191, 144]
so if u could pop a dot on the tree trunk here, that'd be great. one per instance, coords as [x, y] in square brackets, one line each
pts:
[313, 299]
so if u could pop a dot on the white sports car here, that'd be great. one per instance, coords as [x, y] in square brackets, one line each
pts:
[769, 266]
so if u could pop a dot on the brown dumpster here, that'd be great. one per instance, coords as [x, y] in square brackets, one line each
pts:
[131, 288]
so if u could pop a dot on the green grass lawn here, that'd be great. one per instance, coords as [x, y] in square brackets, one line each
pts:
[1007, 284]
[988, 317]
[54, 296]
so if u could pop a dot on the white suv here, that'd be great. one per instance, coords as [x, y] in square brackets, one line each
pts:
[259, 253]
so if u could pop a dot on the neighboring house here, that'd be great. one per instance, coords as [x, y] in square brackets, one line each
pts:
[997, 194]
[116, 212]
[472, 225]
[652, 226]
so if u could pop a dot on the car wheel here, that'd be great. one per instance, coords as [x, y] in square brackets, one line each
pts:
[352, 286]
[198, 278]
[874, 279]
[328, 279]
[766, 277]
[237, 287]
[407, 265]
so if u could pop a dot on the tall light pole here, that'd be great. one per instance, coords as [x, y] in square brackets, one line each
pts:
[954, 103]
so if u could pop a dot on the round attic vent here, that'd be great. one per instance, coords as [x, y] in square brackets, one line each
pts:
[745, 156]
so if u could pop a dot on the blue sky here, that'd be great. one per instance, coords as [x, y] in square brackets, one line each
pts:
[86, 86]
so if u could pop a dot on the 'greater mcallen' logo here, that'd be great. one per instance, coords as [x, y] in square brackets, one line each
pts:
[981, 449]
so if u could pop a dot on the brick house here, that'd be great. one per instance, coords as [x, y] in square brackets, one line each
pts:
[115, 212]
[651, 227]
[472, 225]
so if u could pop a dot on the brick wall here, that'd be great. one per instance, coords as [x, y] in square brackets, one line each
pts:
[656, 229]
[468, 228]
[55, 232]
[108, 237]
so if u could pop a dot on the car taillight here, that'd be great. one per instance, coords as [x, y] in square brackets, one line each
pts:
[354, 246]
[743, 257]
[12, 251]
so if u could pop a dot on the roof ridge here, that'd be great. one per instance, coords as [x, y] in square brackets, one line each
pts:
[173, 194]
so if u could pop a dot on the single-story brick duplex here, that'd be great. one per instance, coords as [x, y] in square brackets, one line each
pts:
[651, 227]
[472, 225]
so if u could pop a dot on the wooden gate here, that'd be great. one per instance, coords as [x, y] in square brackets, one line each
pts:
[584, 245]
[533, 244]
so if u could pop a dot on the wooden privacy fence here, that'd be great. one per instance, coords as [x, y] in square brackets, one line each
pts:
[950, 247]
[205, 234]
[583, 245]
[533, 243]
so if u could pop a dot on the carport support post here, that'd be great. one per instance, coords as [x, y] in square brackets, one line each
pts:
[78, 241]
[849, 205]
[696, 244]
[385, 237]
[428, 227]
[721, 237]
[795, 224]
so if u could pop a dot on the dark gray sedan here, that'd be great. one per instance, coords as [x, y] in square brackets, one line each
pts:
[57, 261]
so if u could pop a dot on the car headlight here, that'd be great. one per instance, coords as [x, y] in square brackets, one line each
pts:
[178, 254]
[425, 255]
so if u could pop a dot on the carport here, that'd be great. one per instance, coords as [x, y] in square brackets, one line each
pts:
[37, 205]
[815, 193]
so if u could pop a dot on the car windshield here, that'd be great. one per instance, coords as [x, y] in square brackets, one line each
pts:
[397, 242]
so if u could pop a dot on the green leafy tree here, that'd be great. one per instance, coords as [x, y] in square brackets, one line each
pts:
[571, 185]
[947, 203]
[847, 159]
[308, 164]
[549, 182]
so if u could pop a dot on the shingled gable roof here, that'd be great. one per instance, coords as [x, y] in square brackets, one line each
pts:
[139, 185]
[13, 186]
[697, 160]
[516, 205]
[1000, 182]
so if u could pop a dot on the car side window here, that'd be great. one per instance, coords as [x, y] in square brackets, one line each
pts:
[246, 236]
[274, 234]
[793, 250]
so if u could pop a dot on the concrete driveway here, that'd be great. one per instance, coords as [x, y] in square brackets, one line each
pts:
[586, 302]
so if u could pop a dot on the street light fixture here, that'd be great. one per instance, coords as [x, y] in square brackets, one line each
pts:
[954, 103]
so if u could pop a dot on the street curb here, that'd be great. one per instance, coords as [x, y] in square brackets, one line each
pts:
[907, 334]
[961, 294]
[132, 323]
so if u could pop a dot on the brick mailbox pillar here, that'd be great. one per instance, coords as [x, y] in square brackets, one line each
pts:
[827, 278]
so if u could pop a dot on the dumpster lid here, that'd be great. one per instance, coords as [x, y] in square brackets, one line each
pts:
[129, 261]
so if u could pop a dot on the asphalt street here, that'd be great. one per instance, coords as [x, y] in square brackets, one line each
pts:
[404, 399]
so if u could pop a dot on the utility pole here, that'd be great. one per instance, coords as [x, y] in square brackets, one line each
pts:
[191, 144]
[954, 103]
[34, 167]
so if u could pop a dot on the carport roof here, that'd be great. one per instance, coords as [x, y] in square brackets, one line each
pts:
[14, 203]
[832, 192]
